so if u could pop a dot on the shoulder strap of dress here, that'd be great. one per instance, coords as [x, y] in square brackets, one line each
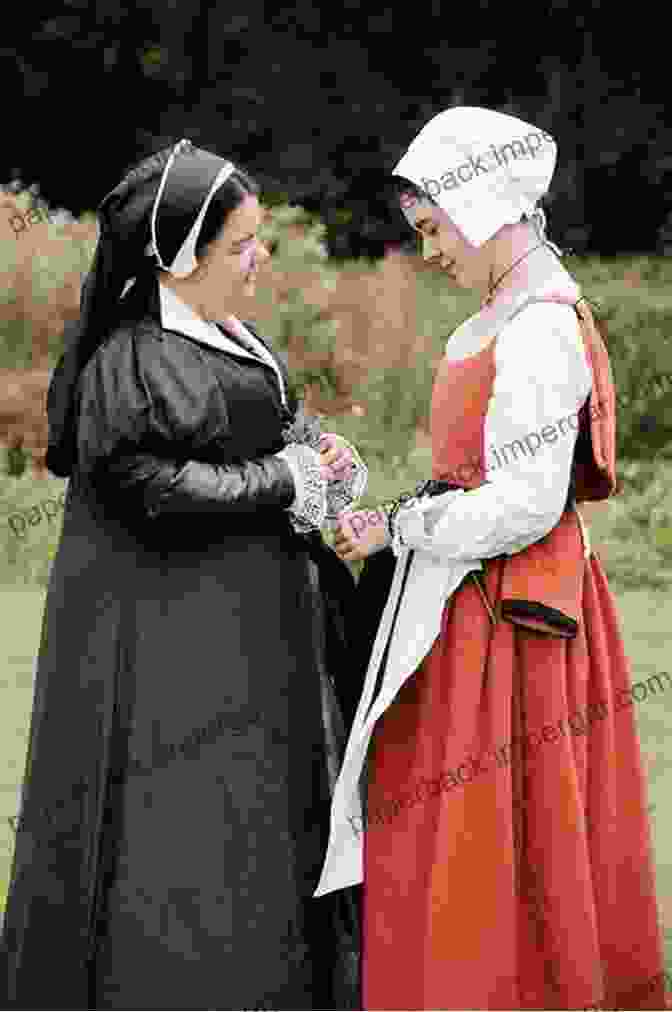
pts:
[595, 472]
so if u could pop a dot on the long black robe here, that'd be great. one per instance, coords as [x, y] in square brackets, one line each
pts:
[176, 798]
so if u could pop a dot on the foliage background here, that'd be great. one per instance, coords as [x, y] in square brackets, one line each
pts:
[320, 100]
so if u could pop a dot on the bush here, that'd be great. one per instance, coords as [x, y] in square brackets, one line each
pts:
[362, 339]
[634, 300]
[356, 343]
[42, 258]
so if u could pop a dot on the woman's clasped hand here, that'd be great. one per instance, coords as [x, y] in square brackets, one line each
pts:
[336, 457]
[360, 533]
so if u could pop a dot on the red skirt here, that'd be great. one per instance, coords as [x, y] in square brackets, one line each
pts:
[508, 859]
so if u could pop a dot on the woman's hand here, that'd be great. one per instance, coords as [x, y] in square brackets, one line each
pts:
[335, 459]
[360, 534]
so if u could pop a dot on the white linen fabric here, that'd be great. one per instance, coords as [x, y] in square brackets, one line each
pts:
[485, 169]
[542, 377]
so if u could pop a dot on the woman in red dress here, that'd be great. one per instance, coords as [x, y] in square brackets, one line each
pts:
[505, 850]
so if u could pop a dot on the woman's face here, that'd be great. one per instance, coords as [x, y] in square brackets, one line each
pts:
[444, 245]
[229, 267]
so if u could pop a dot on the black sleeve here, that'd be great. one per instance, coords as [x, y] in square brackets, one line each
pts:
[166, 486]
[143, 405]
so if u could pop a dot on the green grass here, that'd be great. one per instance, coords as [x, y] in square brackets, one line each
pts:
[648, 638]
[30, 526]
[21, 609]
[645, 620]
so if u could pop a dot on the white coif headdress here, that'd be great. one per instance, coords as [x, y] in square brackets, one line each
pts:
[485, 169]
[183, 177]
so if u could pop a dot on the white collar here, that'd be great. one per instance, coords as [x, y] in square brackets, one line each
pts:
[177, 315]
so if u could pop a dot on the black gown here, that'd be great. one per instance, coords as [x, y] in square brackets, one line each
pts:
[176, 799]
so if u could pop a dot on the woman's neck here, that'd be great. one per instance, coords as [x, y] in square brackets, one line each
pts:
[521, 260]
[192, 295]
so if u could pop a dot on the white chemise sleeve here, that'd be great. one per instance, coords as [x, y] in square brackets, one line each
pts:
[542, 378]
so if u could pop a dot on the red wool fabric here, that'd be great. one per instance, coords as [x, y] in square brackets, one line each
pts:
[485, 889]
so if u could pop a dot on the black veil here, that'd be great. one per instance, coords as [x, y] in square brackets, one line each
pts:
[185, 178]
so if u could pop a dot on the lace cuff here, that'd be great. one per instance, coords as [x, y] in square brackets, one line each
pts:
[308, 511]
[342, 493]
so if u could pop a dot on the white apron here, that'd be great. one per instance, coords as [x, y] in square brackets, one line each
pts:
[429, 584]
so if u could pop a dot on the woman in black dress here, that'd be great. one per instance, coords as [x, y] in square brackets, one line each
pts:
[185, 725]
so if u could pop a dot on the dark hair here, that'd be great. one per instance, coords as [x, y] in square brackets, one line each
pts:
[402, 185]
[227, 198]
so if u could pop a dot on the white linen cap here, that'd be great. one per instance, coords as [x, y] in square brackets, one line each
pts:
[485, 169]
